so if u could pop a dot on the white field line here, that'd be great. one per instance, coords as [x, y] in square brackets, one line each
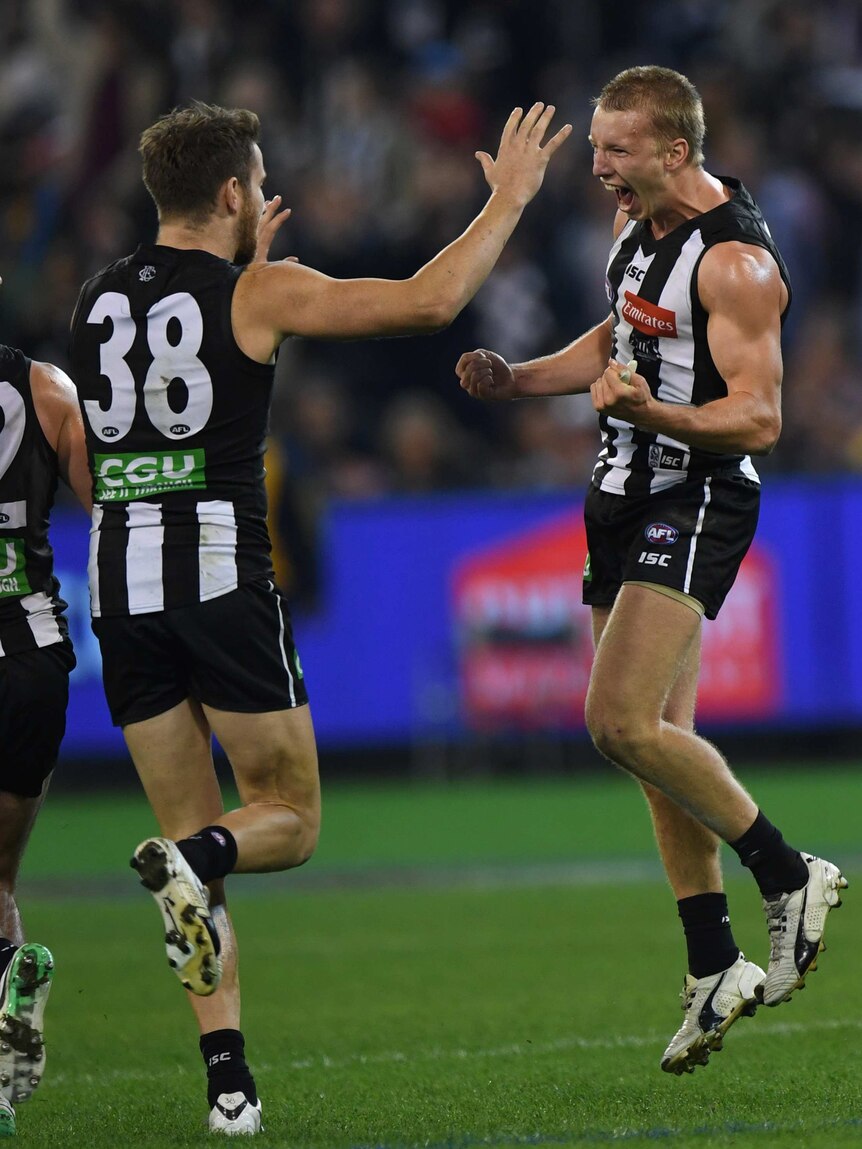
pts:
[436, 1053]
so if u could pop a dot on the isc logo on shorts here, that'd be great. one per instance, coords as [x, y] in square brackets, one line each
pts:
[653, 559]
[661, 533]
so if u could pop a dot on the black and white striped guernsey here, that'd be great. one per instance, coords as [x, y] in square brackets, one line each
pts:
[30, 606]
[176, 418]
[658, 320]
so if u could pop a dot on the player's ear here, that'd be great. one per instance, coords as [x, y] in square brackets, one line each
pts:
[677, 154]
[230, 195]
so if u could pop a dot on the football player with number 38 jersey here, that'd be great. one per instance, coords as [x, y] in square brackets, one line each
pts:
[173, 351]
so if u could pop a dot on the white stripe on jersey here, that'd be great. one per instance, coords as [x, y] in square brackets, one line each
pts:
[41, 618]
[217, 548]
[676, 376]
[93, 559]
[283, 652]
[144, 558]
[676, 373]
[692, 550]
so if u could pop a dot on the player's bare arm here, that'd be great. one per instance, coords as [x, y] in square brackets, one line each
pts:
[571, 371]
[275, 300]
[744, 295]
[56, 403]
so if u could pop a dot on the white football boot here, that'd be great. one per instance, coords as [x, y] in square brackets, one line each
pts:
[191, 940]
[234, 1115]
[711, 1005]
[24, 992]
[796, 922]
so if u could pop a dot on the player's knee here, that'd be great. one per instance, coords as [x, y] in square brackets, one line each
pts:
[307, 839]
[619, 736]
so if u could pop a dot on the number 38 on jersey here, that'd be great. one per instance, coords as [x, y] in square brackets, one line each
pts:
[177, 390]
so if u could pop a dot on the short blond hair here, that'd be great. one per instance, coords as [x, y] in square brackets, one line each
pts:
[670, 99]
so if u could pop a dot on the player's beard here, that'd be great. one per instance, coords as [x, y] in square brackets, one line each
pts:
[246, 237]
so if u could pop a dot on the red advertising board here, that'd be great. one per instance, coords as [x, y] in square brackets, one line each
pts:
[525, 639]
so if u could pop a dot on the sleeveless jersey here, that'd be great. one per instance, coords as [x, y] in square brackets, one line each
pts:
[658, 320]
[30, 606]
[176, 418]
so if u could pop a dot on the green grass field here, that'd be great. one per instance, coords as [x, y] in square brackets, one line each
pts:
[492, 965]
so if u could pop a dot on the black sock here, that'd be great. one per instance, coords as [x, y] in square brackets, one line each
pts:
[224, 1054]
[211, 852]
[7, 952]
[777, 867]
[708, 935]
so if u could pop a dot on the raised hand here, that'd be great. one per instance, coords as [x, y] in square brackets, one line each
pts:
[271, 219]
[521, 160]
[486, 375]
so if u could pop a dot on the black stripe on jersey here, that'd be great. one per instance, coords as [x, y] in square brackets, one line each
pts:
[113, 540]
[182, 537]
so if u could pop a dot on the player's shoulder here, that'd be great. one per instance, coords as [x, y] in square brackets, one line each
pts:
[738, 260]
[742, 278]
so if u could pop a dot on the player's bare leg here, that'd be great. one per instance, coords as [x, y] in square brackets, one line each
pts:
[690, 853]
[275, 765]
[644, 647]
[17, 816]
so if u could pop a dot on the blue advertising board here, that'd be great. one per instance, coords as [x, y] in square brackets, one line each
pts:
[395, 651]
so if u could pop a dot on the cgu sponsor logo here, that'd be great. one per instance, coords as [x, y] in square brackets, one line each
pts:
[648, 317]
[129, 476]
[661, 533]
[13, 575]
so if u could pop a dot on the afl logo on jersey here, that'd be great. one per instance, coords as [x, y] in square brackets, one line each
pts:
[661, 533]
[109, 432]
[180, 429]
[4, 518]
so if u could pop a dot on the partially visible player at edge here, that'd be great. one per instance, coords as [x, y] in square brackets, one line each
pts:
[685, 373]
[41, 438]
[173, 351]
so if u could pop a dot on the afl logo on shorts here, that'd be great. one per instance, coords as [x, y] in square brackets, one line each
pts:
[661, 533]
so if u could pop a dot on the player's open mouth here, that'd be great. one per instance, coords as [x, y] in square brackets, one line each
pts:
[625, 196]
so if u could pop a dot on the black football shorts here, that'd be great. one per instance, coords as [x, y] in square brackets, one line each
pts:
[233, 653]
[691, 538]
[34, 693]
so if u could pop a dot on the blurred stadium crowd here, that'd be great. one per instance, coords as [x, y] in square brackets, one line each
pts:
[371, 111]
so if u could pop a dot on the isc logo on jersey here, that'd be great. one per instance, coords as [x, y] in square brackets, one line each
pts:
[129, 476]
